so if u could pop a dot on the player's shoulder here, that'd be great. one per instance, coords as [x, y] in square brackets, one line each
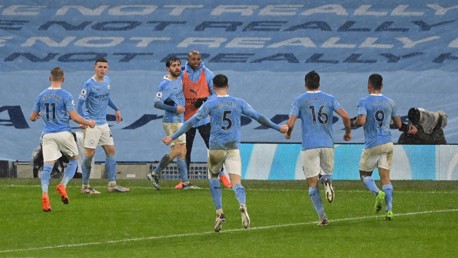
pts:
[164, 83]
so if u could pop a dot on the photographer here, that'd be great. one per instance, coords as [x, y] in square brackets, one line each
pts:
[424, 127]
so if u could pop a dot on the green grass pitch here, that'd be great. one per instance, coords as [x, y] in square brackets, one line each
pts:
[174, 223]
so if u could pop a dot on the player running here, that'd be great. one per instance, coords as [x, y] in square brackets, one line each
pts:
[57, 106]
[225, 114]
[374, 114]
[315, 108]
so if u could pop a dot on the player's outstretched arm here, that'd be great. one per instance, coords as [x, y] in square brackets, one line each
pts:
[290, 124]
[347, 124]
[80, 120]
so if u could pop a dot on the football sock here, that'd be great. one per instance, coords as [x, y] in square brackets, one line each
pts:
[240, 194]
[215, 189]
[162, 164]
[69, 172]
[46, 176]
[110, 166]
[388, 189]
[314, 194]
[370, 184]
[324, 177]
[86, 169]
[181, 163]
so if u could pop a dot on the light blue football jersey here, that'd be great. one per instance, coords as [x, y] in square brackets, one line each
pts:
[225, 118]
[54, 105]
[170, 92]
[315, 109]
[96, 95]
[378, 110]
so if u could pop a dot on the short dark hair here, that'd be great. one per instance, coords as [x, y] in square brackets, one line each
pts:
[376, 80]
[172, 59]
[101, 60]
[220, 81]
[57, 74]
[312, 80]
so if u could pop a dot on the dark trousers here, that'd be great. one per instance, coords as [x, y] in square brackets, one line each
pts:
[204, 131]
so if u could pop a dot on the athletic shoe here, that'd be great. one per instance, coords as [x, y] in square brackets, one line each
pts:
[329, 190]
[179, 185]
[62, 192]
[379, 200]
[389, 215]
[154, 178]
[245, 217]
[219, 222]
[323, 222]
[117, 188]
[89, 190]
[45, 204]
[189, 186]
[226, 182]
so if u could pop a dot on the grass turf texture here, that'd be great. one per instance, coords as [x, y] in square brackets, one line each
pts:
[173, 223]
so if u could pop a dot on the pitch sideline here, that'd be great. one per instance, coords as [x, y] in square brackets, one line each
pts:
[211, 232]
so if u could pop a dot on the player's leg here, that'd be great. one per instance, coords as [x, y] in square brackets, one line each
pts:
[387, 187]
[215, 162]
[51, 153]
[233, 164]
[311, 168]
[204, 131]
[369, 160]
[68, 147]
[107, 142]
[91, 140]
[190, 135]
[327, 168]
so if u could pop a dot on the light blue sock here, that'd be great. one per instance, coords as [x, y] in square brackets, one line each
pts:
[240, 194]
[162, 164]
[215, 190]
[86, 169]
[46, 176]
[110, 166]
[370, 184]
[324, 177]
[69, 172]
[388, 189]
[314, 194]
[181, 163]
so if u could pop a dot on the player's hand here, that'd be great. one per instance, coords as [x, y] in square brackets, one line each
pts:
[91, 124]
[347, 137]
[180, 109]
[118, 117]
[83, 126]
[167, 140]
[412, 129]
[284, 128]
[38, 115]
[287, 136]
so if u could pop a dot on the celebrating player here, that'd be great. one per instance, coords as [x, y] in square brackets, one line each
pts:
[315, 108]
[225, 113]
[96, 95]
[374, 114]
[170, 98]
[57, 106]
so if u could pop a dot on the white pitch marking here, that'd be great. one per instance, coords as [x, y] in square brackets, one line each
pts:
[211, 232]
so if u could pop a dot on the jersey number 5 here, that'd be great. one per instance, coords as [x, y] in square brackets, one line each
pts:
[53, 111]
[227, 120]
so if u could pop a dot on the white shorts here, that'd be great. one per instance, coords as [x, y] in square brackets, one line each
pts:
[319, 161]
[99, 135]
[229, 158]
[54, 144]
[378, 156]
[171, 128]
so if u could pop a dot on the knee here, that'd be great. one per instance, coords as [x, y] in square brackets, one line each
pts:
[364, 174]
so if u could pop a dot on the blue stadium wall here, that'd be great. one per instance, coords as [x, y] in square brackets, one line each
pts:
[265, 48]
